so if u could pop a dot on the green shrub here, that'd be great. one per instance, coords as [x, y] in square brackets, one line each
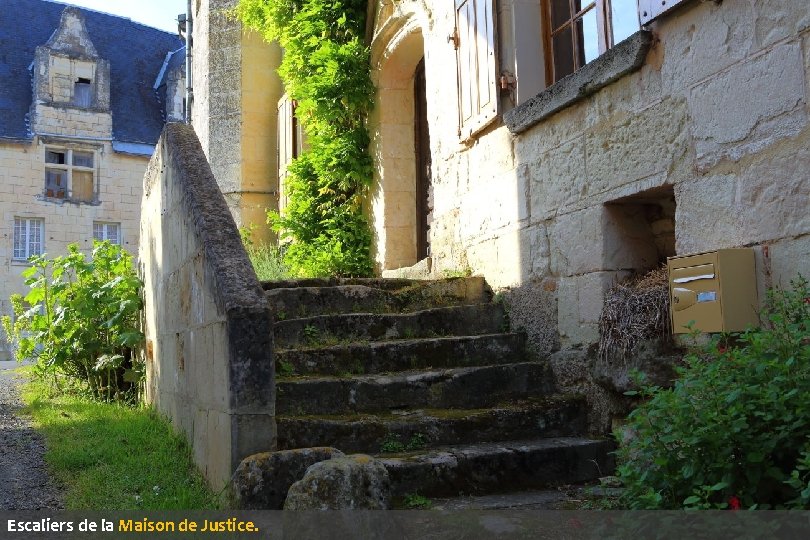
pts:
[326, 71]
[80, 320]
[735, 428]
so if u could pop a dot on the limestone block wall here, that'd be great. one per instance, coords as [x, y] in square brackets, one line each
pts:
[119, 179]
[207, 321]
[711, 132]
[236, 92]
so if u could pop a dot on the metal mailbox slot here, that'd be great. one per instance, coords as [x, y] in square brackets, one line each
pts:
[716, 290]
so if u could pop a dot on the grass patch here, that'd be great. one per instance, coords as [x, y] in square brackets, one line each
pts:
[268, 263]
[115, 457]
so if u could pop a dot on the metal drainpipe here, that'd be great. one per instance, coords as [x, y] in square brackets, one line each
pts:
[189, 76]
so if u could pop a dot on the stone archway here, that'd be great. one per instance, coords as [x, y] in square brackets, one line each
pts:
[393, 203]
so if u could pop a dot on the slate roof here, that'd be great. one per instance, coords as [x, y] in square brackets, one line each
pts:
[136, 53]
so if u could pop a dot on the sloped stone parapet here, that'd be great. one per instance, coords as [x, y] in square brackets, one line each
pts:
[208, 324]
[262, 480]
[357, 482]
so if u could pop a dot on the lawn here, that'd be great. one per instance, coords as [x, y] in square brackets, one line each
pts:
[115, 457]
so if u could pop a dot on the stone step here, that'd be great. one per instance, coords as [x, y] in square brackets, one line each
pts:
[555, 416]
[375, 283]
[298, 302]
[542, 499]
[445, 321]
[402, 355]
[462, 388]
[499, 467]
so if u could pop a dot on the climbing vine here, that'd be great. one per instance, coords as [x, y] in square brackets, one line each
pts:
[325, 69]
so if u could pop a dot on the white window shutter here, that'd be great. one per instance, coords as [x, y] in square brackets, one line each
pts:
[649, 10]
[476, 58]
[286, 146]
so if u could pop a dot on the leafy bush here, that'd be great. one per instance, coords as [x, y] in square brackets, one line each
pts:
[326, 71]
[80, 320]
[266, 259]
[734, 431]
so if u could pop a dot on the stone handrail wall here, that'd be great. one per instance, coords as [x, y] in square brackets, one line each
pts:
[207, 321]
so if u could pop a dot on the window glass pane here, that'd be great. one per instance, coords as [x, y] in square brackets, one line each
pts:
[112, 233]
[19, 238]
[53, 156]
[560, 13]
[588, 37]
[34, 237]
[83, 159]
[81, 94]
[563, 54]
[82, 188]
[624, 17]
[55, 183]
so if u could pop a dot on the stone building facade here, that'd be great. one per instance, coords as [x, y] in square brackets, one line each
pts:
[567, 151]
[81, 108]
[552, 150]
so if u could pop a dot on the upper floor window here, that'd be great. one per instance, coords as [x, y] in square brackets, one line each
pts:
[579, 31]
[28, 237]
[107, 231]
[70, 174]
[82, 92]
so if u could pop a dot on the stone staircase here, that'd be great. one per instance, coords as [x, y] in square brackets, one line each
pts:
[425, 376]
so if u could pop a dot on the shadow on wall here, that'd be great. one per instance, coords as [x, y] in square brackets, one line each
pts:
[207, 321]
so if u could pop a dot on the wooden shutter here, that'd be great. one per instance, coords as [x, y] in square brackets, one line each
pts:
[476, 64]
[649, 10]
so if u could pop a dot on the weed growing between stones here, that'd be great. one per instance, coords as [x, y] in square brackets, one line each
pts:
[733, 431]
[417, 501]
[392, 443]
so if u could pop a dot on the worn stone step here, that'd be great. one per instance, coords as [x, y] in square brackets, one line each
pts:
[499, 467]
[444, 321]
[462, 388]
[298, 302]
[376, 283]
[407, 354]
[554, 416]
[541, 499]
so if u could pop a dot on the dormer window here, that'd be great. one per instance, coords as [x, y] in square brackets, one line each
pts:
[82, 92]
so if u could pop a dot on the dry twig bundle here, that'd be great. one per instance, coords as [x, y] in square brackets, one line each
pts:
[635, 310]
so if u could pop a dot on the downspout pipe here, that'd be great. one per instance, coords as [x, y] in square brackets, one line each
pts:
[189, 76]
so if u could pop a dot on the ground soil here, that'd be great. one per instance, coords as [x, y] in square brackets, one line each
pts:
[24, 480]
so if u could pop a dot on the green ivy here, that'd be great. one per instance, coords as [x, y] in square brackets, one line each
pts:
[326, 70]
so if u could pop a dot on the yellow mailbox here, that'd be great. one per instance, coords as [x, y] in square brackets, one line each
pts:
[717, 290]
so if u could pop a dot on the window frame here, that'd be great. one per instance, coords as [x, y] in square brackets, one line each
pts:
[69, 168]
[105, 235]
[26, 238]
[604, 29]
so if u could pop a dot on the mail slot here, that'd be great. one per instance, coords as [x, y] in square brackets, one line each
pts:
[717, 290]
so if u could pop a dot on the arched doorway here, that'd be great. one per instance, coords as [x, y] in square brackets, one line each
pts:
[401, 197]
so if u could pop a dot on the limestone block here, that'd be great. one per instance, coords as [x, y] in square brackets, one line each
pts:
[706, 216]
[357, 482]
[536, 256]
[580, 304]
[789, 258]
[704, 39]
[557, 178]
[749, 107]
[775, 20]
[626, 148]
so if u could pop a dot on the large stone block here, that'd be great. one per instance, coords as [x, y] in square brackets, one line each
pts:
[706, 215]
[703, 39]
[789, 258]
[557, 178]
[580, 304]
[629, 147]
[356, 482]
[748, 107]
[775, 20]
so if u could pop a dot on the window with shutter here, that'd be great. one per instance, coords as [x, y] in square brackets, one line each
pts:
[649, 10]
[289, 143]
[475, 43]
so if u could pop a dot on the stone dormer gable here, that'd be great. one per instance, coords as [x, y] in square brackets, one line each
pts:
[68, 72]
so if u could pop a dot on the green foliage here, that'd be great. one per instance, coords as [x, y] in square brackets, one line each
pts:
[735, 428]
[326, 71]
[392, 443]
[80, 320]
[266, 259]
[414, 500]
